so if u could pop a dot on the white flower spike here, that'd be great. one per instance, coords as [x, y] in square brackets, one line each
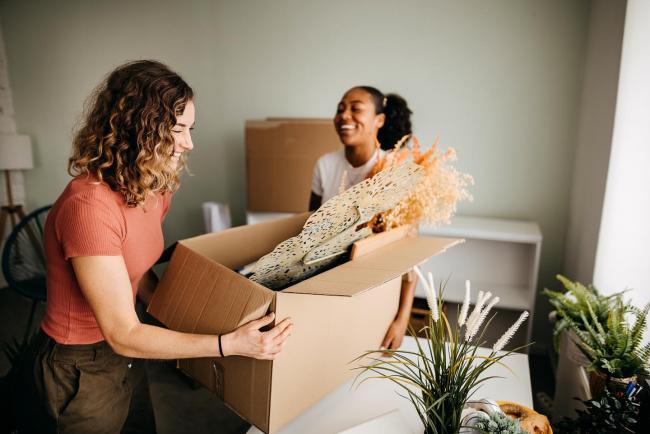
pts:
[480, 301]
[503, 340]
[465, 308]
[432, 298]
[431, 301]
[482, 317]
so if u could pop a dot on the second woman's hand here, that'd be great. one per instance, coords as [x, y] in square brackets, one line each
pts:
[394, 335]
[249, 341]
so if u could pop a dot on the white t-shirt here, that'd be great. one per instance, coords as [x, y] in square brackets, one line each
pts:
[333, 171]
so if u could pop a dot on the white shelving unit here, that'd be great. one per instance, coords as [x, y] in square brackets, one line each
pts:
[501, 256]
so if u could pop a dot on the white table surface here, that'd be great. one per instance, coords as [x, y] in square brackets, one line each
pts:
[347, 407]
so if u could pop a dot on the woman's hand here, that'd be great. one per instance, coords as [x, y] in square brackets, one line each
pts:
[249, 341]
[395, 334]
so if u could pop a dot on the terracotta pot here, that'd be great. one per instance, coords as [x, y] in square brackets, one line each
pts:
[599, 380]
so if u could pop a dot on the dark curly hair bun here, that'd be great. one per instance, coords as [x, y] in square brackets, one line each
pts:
[398, 121]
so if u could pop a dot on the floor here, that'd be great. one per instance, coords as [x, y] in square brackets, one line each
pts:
[182, 407]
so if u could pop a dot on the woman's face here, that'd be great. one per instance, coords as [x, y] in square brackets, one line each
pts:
[182, 133]
[355, 121]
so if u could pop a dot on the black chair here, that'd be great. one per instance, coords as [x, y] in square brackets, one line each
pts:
[23, 260]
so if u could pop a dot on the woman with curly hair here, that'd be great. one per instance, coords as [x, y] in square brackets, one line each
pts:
[101, 238]
[367, 123]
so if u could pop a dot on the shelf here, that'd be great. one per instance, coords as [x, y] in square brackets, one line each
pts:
[487, 229]
[500, 256]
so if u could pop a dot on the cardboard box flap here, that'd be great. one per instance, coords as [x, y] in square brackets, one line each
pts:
[236, 247]
[375, 268]
[198, 295]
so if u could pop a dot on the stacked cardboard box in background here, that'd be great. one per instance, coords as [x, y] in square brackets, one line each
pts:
[280, 158]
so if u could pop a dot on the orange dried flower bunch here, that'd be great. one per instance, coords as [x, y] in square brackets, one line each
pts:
[431, 201]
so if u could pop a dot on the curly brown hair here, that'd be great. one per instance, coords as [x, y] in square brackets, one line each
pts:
[126, 137]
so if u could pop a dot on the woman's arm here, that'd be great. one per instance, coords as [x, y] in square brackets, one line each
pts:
[111, 300]
[147, 286]
[395, 333]
[149, 281]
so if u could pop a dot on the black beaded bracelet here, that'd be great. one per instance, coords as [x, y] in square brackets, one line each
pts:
[220, 350]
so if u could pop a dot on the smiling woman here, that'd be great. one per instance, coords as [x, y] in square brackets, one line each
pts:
[83, 372]
[367, 123]
[182, 133]
[128, 135]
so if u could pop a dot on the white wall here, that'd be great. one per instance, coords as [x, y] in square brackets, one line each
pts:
[596, 122]
[498, 80]
[595, 127]
[622, 254]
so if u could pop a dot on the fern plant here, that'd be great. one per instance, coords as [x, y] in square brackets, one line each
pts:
[614, 347]
[578, 300]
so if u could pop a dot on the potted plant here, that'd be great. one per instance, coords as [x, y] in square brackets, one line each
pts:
[614, 347]
[446, 370]
[607, 414]
[575, 301]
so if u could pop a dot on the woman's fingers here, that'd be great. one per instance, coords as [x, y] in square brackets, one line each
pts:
[386, 342]
[279, 329]
[266, 345]
[284, 334]
[388, 338]
[276, 338]
[264, 321]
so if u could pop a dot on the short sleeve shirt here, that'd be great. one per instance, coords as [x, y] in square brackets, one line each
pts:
[333, 173]
[89, 219]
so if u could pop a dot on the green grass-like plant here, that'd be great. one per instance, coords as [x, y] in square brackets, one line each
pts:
[445, 370]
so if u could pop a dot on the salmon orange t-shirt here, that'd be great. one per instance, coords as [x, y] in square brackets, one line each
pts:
[89, 219]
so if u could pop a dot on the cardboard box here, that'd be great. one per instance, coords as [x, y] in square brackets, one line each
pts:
[337, 315]
[280, 158]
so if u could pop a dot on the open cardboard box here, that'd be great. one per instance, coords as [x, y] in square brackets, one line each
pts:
[337, 314]
[280, 157]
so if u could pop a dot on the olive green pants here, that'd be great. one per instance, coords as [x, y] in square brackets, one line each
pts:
[85, 389]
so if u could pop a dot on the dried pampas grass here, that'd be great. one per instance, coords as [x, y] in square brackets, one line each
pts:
[433, 200]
